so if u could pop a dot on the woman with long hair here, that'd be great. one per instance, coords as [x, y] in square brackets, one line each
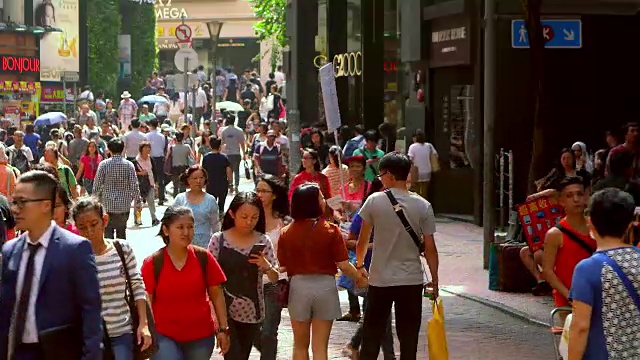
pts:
[203, 205]
[310, 171]
[89, 166]
[245, 254]
[311, 250]
[112, 258]
[273, 194]
[182, 282]
[336, 171]
[546, 186]
[204, 147]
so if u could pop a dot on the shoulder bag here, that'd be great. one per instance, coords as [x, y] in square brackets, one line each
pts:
[623, 277]
[397, 208]
[576, 239]
[138, 353]
[168, 163]
[433, 159]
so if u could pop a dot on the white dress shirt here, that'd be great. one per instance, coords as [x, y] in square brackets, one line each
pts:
[31, 329]
[157, 141]
[132, 142]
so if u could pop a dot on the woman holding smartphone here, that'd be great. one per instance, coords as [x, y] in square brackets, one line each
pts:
[245, 254]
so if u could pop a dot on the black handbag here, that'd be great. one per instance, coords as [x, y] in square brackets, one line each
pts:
[144, 183]
[138, 353]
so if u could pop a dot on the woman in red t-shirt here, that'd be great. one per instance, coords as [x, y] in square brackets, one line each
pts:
[180, 300]
[311, 250]
[310, 171]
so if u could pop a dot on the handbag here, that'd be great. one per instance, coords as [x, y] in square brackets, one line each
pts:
[436, 334]
[168, 163]
[282, 292]
[139, 354]
[247, 172]
[433, 159]
[623, 277]
[144, 183]
[403, 219]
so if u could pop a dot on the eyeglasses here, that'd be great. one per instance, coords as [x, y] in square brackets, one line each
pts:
[21, 203]
[382, 174]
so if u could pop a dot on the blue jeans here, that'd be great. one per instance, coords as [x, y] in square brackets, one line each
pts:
[170, 349]
[88, 185]
[122, 347]
[267, 339]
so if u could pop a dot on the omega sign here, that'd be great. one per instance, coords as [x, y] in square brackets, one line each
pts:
[19, 64]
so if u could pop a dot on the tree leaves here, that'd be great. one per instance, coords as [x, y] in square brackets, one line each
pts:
[144, 49]
[103, 22]
[272, 25]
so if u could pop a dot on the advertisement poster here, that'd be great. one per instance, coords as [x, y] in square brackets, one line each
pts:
[538, 216]
[12, 112]
[124, 55]
[52, 94]
[58, 50]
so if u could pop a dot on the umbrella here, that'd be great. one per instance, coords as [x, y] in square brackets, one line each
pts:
[50, 118]
[153, 99]
[229, 105]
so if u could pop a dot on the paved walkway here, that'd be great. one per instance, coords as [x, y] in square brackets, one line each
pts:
[461, 272]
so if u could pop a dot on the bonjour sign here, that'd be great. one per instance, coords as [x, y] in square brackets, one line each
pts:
[19, 64]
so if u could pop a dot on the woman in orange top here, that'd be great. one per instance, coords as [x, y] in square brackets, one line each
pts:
[311, 250]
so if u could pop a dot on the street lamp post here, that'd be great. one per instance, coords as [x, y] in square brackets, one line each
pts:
[214, 27]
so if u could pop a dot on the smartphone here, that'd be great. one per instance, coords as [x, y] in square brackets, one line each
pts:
[257, 249]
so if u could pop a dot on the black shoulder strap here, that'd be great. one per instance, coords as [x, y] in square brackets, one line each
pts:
[203, 259]
[120, 252]
[157, 259]
[66, 177]
[403, 219]
[573, 236]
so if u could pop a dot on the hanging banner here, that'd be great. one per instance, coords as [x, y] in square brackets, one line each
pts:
[58, 50]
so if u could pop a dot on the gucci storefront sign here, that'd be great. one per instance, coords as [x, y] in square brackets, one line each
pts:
[348, 64]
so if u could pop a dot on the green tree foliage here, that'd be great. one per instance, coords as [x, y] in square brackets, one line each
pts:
[144, 50]
[103, 27]
[271, 26]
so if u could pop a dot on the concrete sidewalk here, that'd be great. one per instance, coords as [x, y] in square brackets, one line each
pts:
[461, 273]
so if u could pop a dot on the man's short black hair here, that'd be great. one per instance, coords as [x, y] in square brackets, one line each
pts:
[115, 146]
[43, 183]
[371, 135]
[135, 123]
[611, 211]
[569, 180]
[358, 129]
[396, 164]
[230, 120]
[153, 122]
[214, 142]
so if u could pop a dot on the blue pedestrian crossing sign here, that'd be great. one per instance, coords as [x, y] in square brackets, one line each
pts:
[558, 34]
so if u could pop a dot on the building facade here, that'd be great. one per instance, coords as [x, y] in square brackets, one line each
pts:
[238, 45]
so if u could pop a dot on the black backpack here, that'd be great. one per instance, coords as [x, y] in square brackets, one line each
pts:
[19, 161]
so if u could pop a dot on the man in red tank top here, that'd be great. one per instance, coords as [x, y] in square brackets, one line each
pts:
[569, 242]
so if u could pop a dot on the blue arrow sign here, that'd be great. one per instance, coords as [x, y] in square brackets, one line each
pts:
[559, 34]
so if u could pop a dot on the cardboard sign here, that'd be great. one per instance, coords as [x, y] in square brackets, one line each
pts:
[537, 217]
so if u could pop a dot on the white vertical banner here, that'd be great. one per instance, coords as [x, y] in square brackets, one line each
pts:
[330, 97]
[331, 108]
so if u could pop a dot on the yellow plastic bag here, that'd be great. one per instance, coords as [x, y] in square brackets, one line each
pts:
[436, 334]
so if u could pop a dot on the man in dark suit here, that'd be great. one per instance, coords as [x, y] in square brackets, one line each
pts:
[49, 296]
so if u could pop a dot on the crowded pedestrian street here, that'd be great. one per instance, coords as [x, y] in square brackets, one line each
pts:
[319, 179]
[475, 330]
